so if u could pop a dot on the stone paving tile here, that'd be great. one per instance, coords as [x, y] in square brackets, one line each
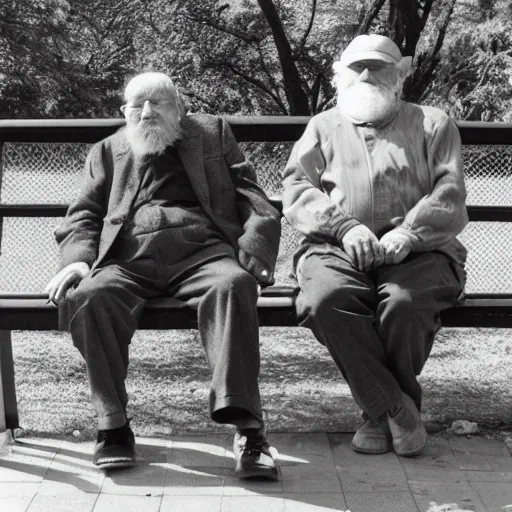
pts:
[366, 473]
[73, 502]
[460, 493]
[19, 490]
[252, 504]
[115, 503]
[306, 463]
[488, 476]
[191, 504]
[206, 451]
[481, 454]
[496, 496]
[436, 463]
[233, 486]
[194, 480]
[314, 502]
[15, 504]
[151, 449]
[380, 502]
[142, 480]
[72, 465]
[25, 464]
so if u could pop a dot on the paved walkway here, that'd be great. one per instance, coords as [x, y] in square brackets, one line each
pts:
[319, 473]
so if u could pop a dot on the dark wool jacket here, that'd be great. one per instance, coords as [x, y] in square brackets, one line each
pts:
[224, 181]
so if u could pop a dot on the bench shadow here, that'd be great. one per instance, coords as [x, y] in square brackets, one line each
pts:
[185, 467]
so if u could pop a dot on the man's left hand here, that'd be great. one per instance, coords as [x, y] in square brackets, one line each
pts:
[396, 247]
[255, 267]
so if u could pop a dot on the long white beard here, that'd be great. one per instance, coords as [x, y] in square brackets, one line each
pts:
[367, 103]
[154, 137]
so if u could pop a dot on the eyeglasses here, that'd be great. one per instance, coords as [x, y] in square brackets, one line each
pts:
[139, 105]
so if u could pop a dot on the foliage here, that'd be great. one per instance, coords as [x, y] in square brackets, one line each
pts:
[69, 58]
[474, 78]
[63, 58]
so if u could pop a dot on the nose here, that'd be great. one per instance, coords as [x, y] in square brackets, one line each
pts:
[147, 110]
[365, 75]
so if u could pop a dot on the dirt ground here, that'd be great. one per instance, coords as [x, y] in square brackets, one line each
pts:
[468, 376]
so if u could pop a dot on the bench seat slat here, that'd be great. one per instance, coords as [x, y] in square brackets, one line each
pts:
[34, 313]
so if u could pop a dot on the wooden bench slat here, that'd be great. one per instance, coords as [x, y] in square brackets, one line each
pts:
[17, 313]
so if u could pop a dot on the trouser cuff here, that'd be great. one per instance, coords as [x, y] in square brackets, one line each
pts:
[235, 410]
[115, 420]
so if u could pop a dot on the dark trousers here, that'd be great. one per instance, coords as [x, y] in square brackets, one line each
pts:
[378, 326]
[105, 310]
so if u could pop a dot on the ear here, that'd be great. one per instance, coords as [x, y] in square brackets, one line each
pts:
[123, 108]
[404, 65]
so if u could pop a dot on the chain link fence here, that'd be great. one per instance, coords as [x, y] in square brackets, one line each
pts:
[51, 173]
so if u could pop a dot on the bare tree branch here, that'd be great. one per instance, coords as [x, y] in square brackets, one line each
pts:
[308, 30]
[267, 72]
[254, 81]
[197, 96]
[295, 95]
[203, 20]
[371, 13]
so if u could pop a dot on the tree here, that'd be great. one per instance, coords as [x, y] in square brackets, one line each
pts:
[474, 77]
[63, 58]
[275, 56]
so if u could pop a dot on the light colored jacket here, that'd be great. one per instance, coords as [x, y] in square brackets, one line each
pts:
[407, 174]
[223, 180]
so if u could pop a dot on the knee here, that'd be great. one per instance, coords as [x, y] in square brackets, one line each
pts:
[88, 294]
[239, 282]
[398, 306]
[319, 304]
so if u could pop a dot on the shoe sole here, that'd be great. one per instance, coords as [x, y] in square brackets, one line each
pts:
[370, 452]
[266, 474]
[120, 464]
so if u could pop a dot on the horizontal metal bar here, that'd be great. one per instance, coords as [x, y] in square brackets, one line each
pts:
[245, 128]
[33, 210]
[34, 314]
[490, 213]
[476, 213]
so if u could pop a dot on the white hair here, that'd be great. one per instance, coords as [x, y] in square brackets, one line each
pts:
[149, 81]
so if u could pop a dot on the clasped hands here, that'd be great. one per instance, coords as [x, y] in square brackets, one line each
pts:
[367, 251]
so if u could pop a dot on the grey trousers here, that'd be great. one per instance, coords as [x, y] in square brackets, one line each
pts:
[378, 326]
[107, 304]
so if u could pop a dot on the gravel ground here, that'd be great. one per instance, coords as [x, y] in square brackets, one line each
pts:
[467, 377]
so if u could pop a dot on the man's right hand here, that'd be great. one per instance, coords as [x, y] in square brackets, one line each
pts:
[363, 248]
[69, 276]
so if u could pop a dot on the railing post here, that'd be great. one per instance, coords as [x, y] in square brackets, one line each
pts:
[8, 404]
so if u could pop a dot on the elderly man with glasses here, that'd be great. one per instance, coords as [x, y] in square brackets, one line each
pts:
[169, 207]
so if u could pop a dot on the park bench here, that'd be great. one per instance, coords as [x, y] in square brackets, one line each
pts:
[36, 186]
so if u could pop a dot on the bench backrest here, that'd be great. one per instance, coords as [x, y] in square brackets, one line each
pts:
[41, 166]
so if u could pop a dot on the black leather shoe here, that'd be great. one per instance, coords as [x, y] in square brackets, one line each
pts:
[115, 448]
[252, 455]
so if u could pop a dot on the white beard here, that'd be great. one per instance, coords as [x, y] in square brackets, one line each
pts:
[152, 137]
[367, 103]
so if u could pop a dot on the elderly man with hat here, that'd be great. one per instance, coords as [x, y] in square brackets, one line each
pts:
[376, 187]
[169, 206]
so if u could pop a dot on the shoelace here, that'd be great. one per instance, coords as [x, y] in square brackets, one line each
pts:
[254, 444]
[115, 436]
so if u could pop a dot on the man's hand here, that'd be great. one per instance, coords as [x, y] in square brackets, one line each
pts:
[66, 278]
[363, 248]
[396, 246]
[255, 267]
